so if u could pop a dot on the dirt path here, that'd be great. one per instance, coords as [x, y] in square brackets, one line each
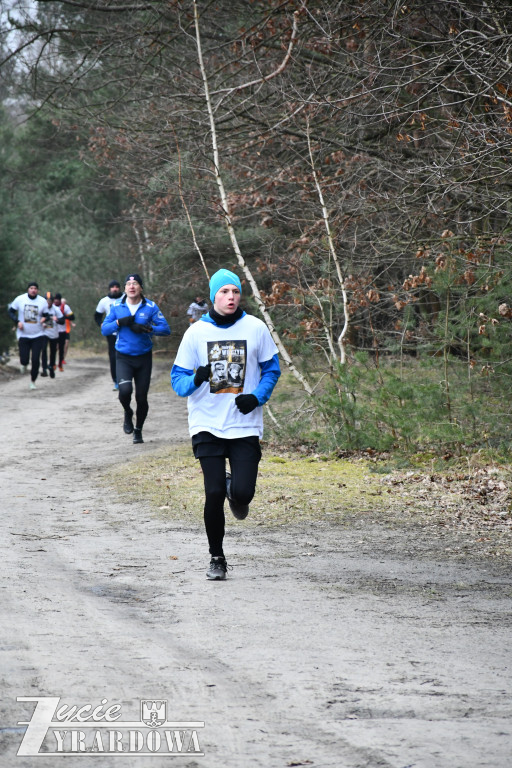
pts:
[330, 647]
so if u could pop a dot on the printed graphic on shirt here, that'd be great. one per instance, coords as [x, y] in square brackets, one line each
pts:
[228, 360]
[30, 313]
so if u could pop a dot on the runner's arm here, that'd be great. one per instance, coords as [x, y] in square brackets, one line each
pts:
[159, 323]
[109, 324]
[182, 380]
[270, 372]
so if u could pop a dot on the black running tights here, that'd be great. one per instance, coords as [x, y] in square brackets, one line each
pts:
[31, 345]
[112, 353]
[52, 343]
[243, 485]
[137, 369]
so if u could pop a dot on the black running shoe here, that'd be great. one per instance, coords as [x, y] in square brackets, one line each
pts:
[137, 435]
[217, 569]
[240, 511]
[52, 373]
[128, 422]
[44, 374]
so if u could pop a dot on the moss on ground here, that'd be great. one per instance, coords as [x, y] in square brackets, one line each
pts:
[306, 489]
[289, 488]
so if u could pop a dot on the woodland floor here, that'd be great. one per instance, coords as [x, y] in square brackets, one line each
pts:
[380, 637]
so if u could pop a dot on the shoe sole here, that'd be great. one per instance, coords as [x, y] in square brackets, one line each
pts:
[216, 578]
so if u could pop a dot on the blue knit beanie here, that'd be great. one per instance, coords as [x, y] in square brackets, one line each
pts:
[223, 277]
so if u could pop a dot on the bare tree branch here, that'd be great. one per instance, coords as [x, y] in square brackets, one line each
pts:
[227, 218]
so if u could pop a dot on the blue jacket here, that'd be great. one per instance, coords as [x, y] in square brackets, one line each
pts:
[128, 342]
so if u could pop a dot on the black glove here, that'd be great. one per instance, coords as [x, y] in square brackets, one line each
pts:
[246, 403]
[139, 328]
[202, 374]
[125, 320]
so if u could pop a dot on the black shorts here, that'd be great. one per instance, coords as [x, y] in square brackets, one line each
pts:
[243, 448]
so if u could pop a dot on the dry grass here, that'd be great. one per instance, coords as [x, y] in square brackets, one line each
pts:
[303, 489]
[289, 488]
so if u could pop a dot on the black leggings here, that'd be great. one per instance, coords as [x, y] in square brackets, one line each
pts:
[52, 343]
[61, 343]
[34, 345]
[243, 454]
[136, 368]
[112, 353]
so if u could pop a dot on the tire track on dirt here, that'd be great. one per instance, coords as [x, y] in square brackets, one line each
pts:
[313, 652]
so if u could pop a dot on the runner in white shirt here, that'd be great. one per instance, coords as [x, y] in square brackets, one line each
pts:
[102, 310]
[196, 309]
[63, 339]
[53, 321]
[28, 311]
[227, 366]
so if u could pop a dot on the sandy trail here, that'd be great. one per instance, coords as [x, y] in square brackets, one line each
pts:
[335, 647]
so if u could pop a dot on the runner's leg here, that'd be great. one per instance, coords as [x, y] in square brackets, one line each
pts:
[24, 348]
[62, 341]
[214, 476]
[44, 358]
[111, 340]
[125, 374]
[37, 345]
[142, 379]
[244, 455]
[53, 352]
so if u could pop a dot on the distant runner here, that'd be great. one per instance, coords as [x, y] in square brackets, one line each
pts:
[28, 311]
[102, 310]
[64, 330]
[136, 319]
[197, 309]
[53, 320]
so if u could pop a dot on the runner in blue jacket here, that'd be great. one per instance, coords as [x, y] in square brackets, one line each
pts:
[135, 319]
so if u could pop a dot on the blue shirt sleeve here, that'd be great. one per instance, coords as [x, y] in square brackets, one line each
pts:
[160, 324]
[270, 372]
[182, 380]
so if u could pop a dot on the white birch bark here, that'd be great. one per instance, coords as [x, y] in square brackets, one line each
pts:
[229, 224]
[332, 249]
